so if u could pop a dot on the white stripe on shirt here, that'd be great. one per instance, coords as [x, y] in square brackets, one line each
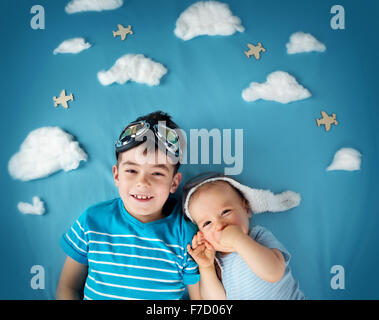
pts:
[75, 244]
[78, 236]
[134, 288]
[134, 246]
[134, 277]
[134, 236]
[132, 266]
[135, 256]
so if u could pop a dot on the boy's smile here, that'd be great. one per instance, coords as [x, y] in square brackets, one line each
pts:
[145, 181]
[141, 197]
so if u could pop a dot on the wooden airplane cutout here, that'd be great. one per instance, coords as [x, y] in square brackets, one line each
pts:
[62, 99]
[327, 120]
[255, 50]
[122, 31]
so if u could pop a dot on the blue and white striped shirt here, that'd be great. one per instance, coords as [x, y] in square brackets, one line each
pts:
[129, 259]
[241, 283]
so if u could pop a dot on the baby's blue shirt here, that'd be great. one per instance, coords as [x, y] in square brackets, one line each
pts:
[241, 283]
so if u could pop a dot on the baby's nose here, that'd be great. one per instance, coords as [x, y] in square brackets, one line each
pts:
[220, 226]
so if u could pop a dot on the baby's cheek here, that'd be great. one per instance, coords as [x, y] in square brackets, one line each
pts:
[208, 236]
[213, 238]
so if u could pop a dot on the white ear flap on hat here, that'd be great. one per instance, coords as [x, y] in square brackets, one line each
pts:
[265, 201]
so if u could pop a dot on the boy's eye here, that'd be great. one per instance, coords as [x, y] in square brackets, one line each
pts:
[130, 171]
[158, 174]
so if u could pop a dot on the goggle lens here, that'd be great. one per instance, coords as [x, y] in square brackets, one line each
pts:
[131, 131]
[165, 134]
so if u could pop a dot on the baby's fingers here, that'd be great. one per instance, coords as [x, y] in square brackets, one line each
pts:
[194, 241]
[200, 238]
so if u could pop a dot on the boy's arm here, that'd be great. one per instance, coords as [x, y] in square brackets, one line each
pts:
[71, 282]
[268, 264]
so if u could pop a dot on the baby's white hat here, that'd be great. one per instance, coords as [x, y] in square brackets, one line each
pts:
[259, 200]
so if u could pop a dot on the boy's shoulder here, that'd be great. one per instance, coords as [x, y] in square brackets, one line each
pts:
[176, 220]
[100, 209]
[104, 205]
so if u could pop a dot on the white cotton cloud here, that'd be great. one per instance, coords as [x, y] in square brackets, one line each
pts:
[280, 86]
[37, 208]
[43, 152]
[74, 45]
[304, 42]
[207, 18]
[134, 67]
[75, 6]
[347, 159]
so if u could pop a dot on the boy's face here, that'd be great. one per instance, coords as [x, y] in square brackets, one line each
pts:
[215, 206]
[144, 181]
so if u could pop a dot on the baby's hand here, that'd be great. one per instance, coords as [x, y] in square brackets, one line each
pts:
[230, 236]
[202, 251]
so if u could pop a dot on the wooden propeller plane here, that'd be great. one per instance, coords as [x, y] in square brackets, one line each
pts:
[255, 50]
[122, 31]
[327, 120]
[63, 99]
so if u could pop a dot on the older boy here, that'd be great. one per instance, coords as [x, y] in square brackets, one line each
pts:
[134, 247]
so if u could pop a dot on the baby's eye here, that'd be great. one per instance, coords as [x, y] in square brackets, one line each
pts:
[225, 212]
[206, 223]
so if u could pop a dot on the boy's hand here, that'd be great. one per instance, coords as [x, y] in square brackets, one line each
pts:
[202, 251]
[230, 236]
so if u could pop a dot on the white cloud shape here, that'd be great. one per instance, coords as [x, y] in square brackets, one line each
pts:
[304, 42]
[74, 45]
[207, 18]
[43, 152]
[280, 86]
[348, 159]
[75, 6]
[135, 67]
[36, 208]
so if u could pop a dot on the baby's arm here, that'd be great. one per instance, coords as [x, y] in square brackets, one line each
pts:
[71, 282]
[268, 264]
[203, 253]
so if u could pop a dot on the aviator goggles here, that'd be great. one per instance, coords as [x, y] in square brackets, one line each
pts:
[135, 133]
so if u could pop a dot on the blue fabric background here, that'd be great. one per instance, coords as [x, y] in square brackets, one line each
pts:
[337, 220]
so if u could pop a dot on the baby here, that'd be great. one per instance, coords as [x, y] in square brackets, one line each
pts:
[253, 263]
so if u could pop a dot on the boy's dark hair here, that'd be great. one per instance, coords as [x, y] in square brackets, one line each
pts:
[155, 117]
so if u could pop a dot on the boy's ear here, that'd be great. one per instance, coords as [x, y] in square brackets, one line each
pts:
[115, 174]
[175, 182]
